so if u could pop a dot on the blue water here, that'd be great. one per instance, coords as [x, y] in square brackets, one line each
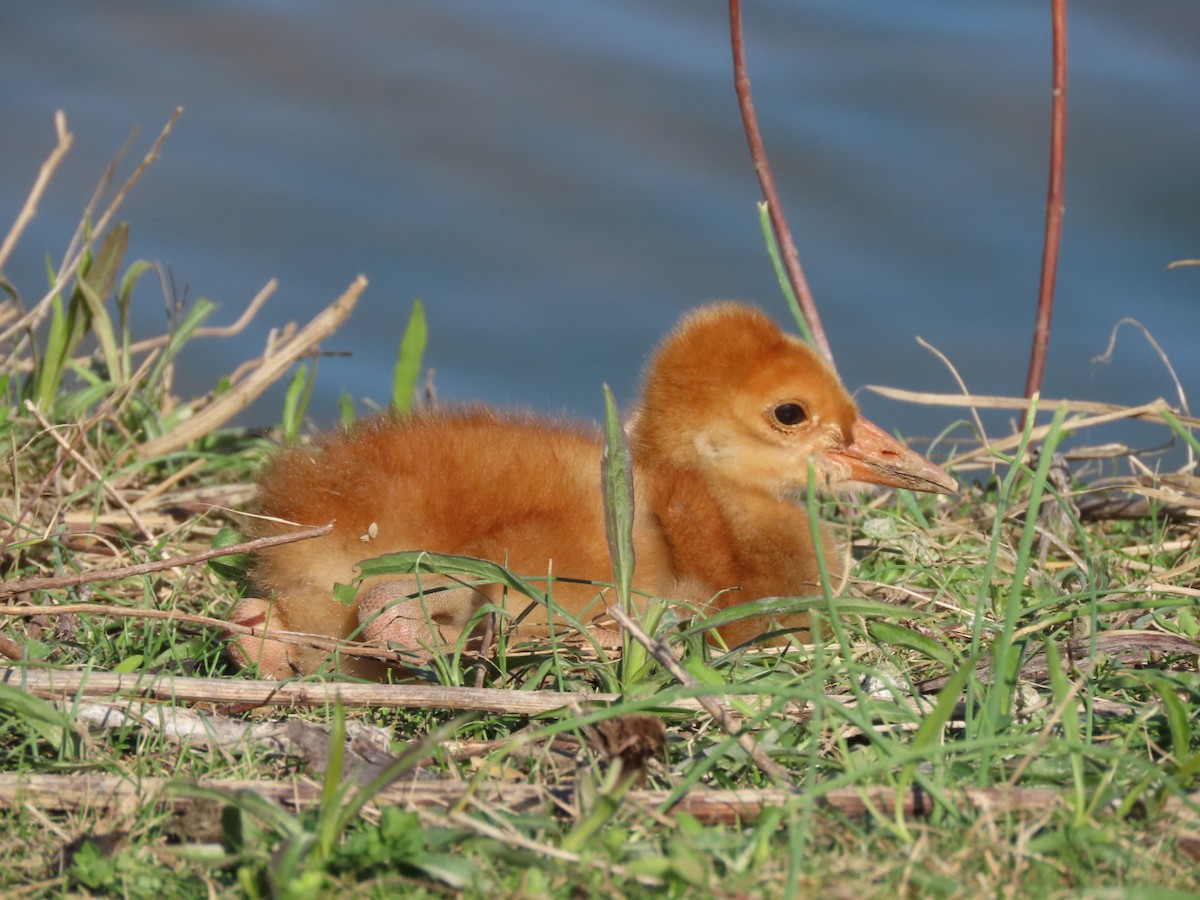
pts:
[558, 182]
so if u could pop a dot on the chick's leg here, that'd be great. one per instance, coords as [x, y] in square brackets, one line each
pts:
[279, 659]
[418, 615]
[273, 659]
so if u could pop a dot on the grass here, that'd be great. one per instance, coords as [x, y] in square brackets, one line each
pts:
[1004, 698]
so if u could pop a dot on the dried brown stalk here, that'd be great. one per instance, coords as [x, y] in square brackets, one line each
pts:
[762, 168]
[1149, 412]
[50, 683]
[272, 368]
[44, 584]
[1052, 239]
[77, 252]
[219, 331]
[116, 792]
[1103, 413]
[80, 460]
[45, 173]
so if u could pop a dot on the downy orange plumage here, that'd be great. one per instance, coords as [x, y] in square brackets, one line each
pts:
[733, 416]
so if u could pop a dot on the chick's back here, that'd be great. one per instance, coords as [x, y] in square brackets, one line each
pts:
[521, 491]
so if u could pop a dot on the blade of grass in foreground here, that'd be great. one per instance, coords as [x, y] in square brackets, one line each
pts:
[616, 476]
[1006, 651]
[408, 361]
[930, 731]
[410, 562]
[1065, 702]
[1185, 434]
[785, 284]
[94, 287]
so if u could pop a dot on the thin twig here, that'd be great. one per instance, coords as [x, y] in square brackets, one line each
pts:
[273, 367]
[84, 463]
[1054, 200]
[35, 496]
[94, 791]
[983, 437]
[65, 684]
[45, 173]
[511, 836]
[74, 684]
[1147, 412]
[190, 559]
[1107, 355]
[212, 331]
[75, 258]
[758, 153]
[298, 638]
[221, 331]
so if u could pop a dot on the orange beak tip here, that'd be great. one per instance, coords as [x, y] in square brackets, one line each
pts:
[875, 457]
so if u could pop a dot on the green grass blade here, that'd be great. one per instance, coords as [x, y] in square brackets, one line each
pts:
[930, 730]
[410, 757]
[1184, 433]
[412, 562]
[899, 636]
[1006, 655]
[1064, 700]
[295, 401]
[102, 273]
[1176, 713]
[94, 287]
[52, 362]
[616, 474]
[333, 789]
[780, 606]
[125, 293]
[785, 283]
[616, 478]
[195, 316]
[50, 723]
[408, 361]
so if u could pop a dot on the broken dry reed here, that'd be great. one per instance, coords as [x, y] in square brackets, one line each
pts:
[112, 794]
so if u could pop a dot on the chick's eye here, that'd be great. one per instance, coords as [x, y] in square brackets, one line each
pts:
[789, 414]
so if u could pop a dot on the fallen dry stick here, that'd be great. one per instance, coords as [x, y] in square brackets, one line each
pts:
[1149, 411]
[50, 683]
[61, 581]
[114, 793]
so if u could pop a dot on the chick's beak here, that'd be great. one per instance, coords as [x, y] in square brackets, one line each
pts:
[874, 457]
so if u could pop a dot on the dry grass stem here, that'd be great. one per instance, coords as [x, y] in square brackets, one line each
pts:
[1104, 412]
[270, 370]
[86, 465]
[217, 331]
[77, 253]
[110, 792]
[29, 207]
[50, 683]
[42, 584]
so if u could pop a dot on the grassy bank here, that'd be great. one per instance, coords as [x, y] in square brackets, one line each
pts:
[1001, 696]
